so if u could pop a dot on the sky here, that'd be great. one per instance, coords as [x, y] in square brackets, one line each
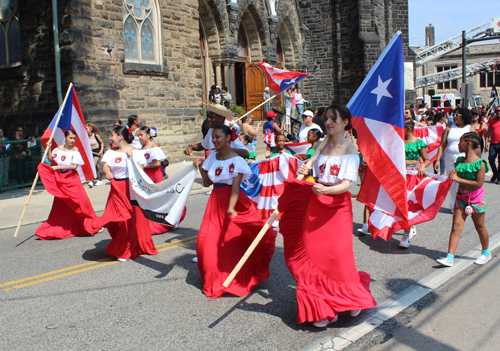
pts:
[449, 18]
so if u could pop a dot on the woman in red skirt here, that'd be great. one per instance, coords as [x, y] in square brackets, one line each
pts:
[129, 229]
[229, 224]
[317, 227]
[72, 213]
[154, 157]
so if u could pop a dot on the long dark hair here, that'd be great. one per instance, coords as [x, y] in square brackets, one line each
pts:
[132, 119]
[343, 112]
[125, 133]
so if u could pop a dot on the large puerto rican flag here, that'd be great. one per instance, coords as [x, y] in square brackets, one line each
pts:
[280, 80]
[432, 137]
[266, 184]
[70, 117]
[377, 110]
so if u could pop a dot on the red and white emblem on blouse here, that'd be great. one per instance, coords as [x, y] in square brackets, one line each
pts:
[63, 157]
[322, 168]
[55, 156]
[334, 170]
[231, 168]
[118, 160]
[146, 156]
[218, 171]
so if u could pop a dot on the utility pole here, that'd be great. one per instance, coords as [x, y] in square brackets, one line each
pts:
[464, 65]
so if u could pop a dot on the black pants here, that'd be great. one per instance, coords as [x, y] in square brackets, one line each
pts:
[492, 157]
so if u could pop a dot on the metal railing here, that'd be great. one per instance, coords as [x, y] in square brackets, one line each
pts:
[19, 162]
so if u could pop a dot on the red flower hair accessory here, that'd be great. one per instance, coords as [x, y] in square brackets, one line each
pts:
[129, 130]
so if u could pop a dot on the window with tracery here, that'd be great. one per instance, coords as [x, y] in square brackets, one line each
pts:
[10, 34]
[141, 31]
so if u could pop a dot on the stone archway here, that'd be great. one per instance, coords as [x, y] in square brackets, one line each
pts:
[287, 44]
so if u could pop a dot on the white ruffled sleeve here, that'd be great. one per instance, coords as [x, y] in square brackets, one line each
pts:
[208, 161]
[349, 168]
[138, 156]
[240, 166]
[108, 157]
[157, 154]
[77, 159]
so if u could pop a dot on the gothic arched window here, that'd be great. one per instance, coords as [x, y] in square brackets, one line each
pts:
[10, 34]
[141, 31]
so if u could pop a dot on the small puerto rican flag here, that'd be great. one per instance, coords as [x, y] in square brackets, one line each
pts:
[280, 80]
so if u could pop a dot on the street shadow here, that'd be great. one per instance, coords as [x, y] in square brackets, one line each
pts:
[98, 252]
[7, 194]
[445, 210]
[162, 268]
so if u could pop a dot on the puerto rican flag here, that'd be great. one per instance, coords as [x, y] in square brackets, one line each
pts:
[432, 137]
[71, 117]
[280, 80]
[444, 98]
[298, 148]
[266, 184]
[377, 110]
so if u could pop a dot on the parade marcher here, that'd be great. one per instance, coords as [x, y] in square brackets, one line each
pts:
[440, 119]
[416, 160]
[481, 127]
[313, 137]
[279, 148]
[246, 140]
[321, 259]
[462, 120]
[72, 213]
[134, 123]
[4, 158]
[247, 128]
[471, 199]
[129, 229]
[154, 157]
[97, 146]
[270, 129]
[493, 144]
[307, 118]
[410, 113]
[229, 224]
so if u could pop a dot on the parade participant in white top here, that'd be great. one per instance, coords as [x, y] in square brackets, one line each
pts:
[72, 213]
[229, 224]
[307, 118]
[133, 123]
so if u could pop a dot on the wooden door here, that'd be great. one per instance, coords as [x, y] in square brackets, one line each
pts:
[255, 82]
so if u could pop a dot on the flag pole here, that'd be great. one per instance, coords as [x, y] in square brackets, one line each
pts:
[59, 113]
[271, 219]
[492, 104]
[246, 114]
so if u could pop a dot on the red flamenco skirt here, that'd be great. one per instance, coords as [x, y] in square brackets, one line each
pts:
[318, 245]
[156, 175]
[222, 241]
[72, 213]
[128, 227]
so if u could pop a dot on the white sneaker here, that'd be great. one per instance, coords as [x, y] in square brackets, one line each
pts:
[355, 313]
[100, 230]
[482, 259]
[324, 322]
[121, 259]
[91, 184]
[98, 183]
[208, 192]
[444, 262]
[405, 241]
[194, 259]
[413, 231]
[363, 231]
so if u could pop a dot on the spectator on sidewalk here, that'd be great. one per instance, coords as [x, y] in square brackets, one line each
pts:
[493, 144]
[300, 101]
[226, 98]
[319, 119]
[4, 158]
[22, 153]
[294, 102]
[307, 118]
[288, 107]
[271, 129]
[97, 146]
[247, 128]
[266, 96]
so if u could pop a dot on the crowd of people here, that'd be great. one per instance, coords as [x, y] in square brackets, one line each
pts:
[320, 259]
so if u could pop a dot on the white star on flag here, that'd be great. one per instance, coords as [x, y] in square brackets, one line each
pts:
[381, 89]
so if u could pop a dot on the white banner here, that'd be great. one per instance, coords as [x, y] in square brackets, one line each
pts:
[162, 202]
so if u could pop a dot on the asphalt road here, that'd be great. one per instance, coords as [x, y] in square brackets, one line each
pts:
[77, 297]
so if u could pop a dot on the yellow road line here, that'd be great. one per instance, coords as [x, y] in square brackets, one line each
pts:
[167, 246]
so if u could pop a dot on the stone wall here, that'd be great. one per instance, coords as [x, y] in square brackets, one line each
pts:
[28, 92]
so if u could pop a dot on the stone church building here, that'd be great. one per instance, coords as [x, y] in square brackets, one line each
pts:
[158, 58]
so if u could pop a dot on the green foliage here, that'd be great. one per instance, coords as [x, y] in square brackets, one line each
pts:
[313, 108]
[240, 110]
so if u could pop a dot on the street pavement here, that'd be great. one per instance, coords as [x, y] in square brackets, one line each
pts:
[70, 295]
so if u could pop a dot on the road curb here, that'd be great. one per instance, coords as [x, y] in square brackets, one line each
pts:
[397, 303]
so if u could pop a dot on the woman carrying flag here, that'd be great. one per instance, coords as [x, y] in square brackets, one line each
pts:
[72, 213]
[317, 225]
[229, 224]
[129, 229]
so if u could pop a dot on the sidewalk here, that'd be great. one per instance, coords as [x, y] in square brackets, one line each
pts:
[463, 317]
[12, 201]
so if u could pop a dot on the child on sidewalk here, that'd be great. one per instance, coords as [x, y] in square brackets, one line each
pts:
[469, 174]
